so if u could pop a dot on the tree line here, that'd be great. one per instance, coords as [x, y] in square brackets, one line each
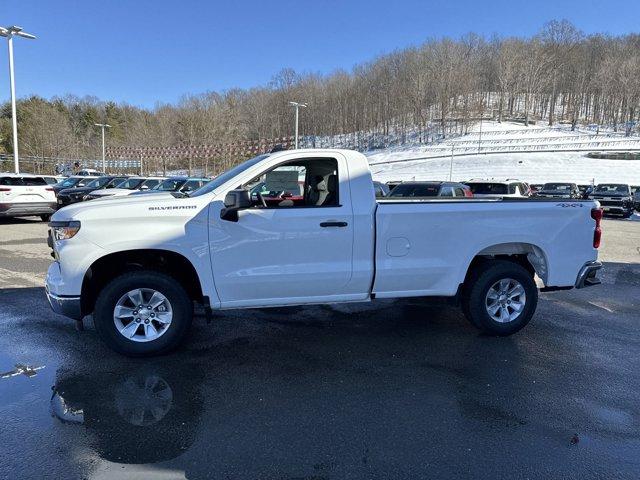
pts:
[558, 75]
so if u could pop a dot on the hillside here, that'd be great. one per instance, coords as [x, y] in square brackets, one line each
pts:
[509, 150]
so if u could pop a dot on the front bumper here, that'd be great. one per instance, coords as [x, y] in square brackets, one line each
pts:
[67, 306]
[27, 209]
[587, 275]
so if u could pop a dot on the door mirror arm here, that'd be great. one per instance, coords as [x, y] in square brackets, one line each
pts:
[235, 201]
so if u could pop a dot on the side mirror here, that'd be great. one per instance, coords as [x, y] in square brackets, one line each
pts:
[234, 201]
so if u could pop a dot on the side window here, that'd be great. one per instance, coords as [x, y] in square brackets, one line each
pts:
[512, 188]
[459, 192]
[11, 181]
[446, 192]
[300, 183]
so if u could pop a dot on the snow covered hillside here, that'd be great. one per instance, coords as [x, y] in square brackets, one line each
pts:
[507, 150]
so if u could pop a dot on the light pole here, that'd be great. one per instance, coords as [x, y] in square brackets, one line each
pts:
[297, 106]
[451, 162]
[103, 126]
[10, 32]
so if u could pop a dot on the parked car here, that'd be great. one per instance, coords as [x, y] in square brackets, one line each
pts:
[90, 172]
[53, 179]
[559, 190]
[25, 195]
[220, 248]
[71, 182]
[127, 187]
[381, 189]
[176, 184]
[79, 194]
[615, 198]
[497, 188]
[430, 189]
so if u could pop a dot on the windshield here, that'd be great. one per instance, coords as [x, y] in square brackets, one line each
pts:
[69, 182]
[150, 183]
[130, 184]
[170, 184]
[612, 188]
[415, 190]
[488, 188]
[557, 186]
[98, 182]
[228, 175]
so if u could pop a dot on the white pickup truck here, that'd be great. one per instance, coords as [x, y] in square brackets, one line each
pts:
[313, 232]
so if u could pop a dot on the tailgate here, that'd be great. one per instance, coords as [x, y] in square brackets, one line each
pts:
[21, 194]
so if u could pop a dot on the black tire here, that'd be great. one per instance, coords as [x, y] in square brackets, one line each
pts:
[181, 305]
[45, 217]
[475, 292]
[627, 214]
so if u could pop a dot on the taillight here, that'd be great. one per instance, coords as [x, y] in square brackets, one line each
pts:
[2, 189]
[49, 189]
[596, 214]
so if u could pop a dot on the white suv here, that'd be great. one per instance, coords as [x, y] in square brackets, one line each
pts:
[23, 194]
[498, 188]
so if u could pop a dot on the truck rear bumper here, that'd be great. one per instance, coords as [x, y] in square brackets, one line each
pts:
[587, 275]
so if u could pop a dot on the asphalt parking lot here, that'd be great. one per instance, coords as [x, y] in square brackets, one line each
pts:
[393, 389]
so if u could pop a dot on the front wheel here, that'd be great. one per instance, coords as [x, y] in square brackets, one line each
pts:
[500, 298]
[45, 217]
[143, 313]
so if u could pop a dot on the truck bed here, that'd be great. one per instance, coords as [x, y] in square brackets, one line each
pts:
[424, 246]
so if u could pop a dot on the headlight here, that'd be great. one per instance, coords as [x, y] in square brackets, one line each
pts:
[64, 230]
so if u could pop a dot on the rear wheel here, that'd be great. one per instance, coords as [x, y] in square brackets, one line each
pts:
[143, 313]
[500, 297]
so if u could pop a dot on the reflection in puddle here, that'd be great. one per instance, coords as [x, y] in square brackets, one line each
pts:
[64, 412]
[146, 417]
[22, 369]
[143, 401]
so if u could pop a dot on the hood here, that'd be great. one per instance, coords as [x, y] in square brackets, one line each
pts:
[554, 192]
[72, 191]
[107, 192]
[610, 195]
[101, 207]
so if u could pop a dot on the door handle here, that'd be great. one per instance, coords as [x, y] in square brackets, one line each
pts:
[334, 224]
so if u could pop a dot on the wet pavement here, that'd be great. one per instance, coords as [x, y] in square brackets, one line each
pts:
[393, 389]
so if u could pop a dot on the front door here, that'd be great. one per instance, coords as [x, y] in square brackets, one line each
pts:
[294, 245]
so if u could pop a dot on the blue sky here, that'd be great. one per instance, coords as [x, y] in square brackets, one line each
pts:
[143, 51]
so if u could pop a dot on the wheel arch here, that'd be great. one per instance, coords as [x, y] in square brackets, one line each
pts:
[107, 267]
[530, 256]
